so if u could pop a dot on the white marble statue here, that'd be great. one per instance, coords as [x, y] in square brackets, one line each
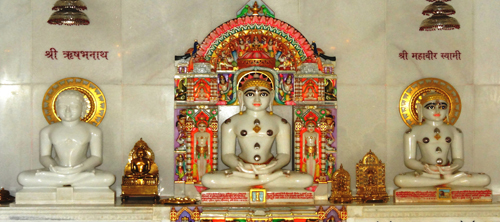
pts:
[256, 129]
[437, 141]
[70, 140]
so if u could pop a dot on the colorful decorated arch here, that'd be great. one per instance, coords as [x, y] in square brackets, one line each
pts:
[249, 26]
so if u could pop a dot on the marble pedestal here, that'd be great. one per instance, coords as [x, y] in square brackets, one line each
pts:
[321, 192]
[65, 195]
[430, 195]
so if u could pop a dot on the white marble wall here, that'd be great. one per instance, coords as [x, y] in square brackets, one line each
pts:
[143, 37]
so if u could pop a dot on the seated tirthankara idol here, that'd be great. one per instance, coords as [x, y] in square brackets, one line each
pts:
[71, 139]
[436, 140]
[256, 129]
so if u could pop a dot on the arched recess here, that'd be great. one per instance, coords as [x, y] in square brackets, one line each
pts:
[227, 34]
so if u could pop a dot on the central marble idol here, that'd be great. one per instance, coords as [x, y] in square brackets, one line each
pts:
[255, 128]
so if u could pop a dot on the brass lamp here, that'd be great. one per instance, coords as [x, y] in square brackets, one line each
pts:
[68, 13]
[440, 19]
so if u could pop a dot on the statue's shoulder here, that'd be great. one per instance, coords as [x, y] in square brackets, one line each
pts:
[280, 121]
[455, 129]
[49, 128]
[230, 120]
[92, 128]
[415, 129]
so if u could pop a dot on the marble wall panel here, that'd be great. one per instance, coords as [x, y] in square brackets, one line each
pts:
[186, 21]
[146, 42]
[286, 10]
[15, 133]
[403, 22]
[486, 44]
[354, 31]
[486, 127]
[15, 44]
[148, 114]
[467, 97]
[38, 123]
[222, 12]
[361, 125]
[395, 128]
[103, 34]
[112, 130]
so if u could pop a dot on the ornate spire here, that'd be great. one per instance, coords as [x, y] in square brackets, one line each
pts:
[255, 8]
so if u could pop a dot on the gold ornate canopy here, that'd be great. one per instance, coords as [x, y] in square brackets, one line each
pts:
[96, 102]
[370, 180]
[414, 92]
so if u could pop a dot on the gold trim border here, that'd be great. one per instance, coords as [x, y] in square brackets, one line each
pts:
[96, 99]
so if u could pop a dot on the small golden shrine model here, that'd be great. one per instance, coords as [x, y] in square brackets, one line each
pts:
[341, 186]
[141, 173]
[370, 180]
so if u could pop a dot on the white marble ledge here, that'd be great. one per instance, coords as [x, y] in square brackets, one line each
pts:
[384, 212]
[441, 212]
[84, 213]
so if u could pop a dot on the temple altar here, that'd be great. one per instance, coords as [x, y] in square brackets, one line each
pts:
[255, 51]
[336, 110]
[354, 212]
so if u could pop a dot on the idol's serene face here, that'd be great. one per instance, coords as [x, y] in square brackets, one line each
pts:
[329, 140]
[140, 153]
[69, 108]
[257, 98]
[310, 127]
[202, 127]
[435, 110]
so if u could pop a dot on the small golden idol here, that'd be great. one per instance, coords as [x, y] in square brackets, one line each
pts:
[141, 173]
[341, 186]
[370, 180]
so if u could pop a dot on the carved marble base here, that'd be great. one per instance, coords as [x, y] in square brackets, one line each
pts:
[242, 197]
[430, 195]
[290, 196]
[225, 197]
[65, 195]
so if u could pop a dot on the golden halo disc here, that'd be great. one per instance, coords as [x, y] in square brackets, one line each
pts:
[96, 102]
[414, 92]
